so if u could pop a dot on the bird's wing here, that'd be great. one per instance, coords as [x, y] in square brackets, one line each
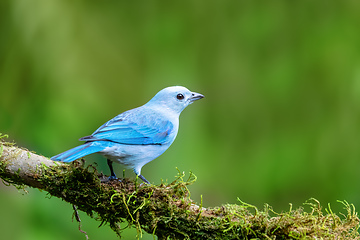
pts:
[135, 129]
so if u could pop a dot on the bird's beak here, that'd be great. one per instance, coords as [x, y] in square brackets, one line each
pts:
[195, 96]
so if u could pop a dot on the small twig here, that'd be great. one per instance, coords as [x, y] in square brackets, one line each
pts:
[77, 217]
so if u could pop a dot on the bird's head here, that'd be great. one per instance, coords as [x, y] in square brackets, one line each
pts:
[174, 98]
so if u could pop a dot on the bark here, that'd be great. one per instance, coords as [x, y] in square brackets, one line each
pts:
[166, 210]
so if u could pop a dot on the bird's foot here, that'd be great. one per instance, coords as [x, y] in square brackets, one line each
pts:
[105, 179]
[112, 178]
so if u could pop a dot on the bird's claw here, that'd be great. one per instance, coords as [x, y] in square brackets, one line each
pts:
[105, 179]
[111, 178]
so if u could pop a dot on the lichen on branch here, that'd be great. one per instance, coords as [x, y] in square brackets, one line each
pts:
[167, 210]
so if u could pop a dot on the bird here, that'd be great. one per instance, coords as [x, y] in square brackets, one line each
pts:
[137, 136]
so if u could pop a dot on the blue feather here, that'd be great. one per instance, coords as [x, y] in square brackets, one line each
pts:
[81, 151]
[125, 129]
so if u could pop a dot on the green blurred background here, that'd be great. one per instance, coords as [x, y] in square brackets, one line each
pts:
[280, 122]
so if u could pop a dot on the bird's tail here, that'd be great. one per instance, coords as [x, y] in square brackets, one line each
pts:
[80, 151]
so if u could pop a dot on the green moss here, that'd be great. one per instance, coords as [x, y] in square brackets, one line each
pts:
[168, 212]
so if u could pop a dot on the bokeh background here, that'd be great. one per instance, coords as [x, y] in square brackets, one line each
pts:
[280, 122]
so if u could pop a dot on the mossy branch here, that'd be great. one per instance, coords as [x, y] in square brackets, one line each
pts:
[167, 210]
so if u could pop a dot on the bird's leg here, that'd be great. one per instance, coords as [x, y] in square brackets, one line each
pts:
[112, 174]
[144, 179]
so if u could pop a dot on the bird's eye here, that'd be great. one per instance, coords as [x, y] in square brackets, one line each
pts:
[180, 96]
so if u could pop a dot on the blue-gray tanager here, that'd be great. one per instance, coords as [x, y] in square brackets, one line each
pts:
[137, 136]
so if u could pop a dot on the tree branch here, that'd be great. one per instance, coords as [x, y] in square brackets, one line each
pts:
[166, 210]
